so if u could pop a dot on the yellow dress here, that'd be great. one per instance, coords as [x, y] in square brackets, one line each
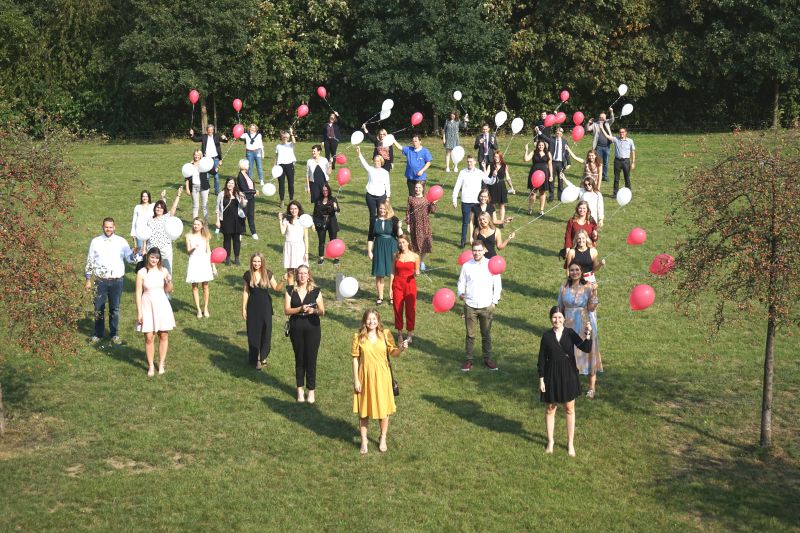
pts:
[376, 400]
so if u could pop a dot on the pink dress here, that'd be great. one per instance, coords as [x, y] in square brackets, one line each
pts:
[156, 310]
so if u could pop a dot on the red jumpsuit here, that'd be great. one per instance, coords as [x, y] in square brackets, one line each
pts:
[404, 294]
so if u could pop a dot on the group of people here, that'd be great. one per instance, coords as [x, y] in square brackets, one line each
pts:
[482, 187]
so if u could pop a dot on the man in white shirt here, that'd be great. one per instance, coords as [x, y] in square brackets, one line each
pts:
[480, 290]
[105, 264]
[470, 181]
[209, 145]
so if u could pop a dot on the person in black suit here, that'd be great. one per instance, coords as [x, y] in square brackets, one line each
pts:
[331, 137]
[209, 145]
[485, 144]
[559, 151]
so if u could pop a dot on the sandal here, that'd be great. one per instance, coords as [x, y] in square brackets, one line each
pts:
[379, 301]
[364, 449]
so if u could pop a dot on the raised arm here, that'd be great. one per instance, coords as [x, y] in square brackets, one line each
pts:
[175, 202]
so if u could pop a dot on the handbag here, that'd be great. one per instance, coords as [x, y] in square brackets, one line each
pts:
[395, 385]
[241, 212]
[287, 328]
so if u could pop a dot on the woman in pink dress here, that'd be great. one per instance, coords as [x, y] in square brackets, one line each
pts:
[153, 282]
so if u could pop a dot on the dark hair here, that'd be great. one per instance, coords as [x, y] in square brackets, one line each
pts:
[152, 251]
[581, 280]
[330, 192]
[455, 113]
[235, 189]
[299, 210]
[477, 242]
[163, 205]
[318, 147]
[555, 309]
[417, 136]
[109, 219]
[149, 196]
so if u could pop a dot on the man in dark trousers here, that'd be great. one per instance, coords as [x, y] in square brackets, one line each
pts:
[485, 144]
[331, 135]
[558, 151]
[209, 145]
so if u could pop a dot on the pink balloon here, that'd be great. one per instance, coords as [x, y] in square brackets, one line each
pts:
[577, 133]
[564, 96]
[194, 96]
[662, 265]
[577, 118]
[218, 255]
[561, 117]
[416, 119]
[343, 176]
[302, 111]
[335, 249]
[642, 297]
[549, 120]
[443, 300]
[237, 105]
[464, 256]
[435, 193]
[322, 92]
[637, 236]
[537, 179]
[238, 131]
[341, 159]
[497, 265]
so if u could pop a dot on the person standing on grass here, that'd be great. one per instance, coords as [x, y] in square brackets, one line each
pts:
[228, 220]
[209, 146]
[254, 151]
[624, 158]
[199, 270]
[404, 287]
[330, 139]
[295, 243]
[197, 186]
[469, 183]
[303, 305]
[542, 160]
[316, 173]
[480, 290]
[325, 220]
[601, 132]
[105, 266]
[418, 161]
[450, 137]
[158, 228]
[418, 222]
[141, 214]
[285, 158]
[153, 283]
[486, 145]
[379, 185]
[381, 246]
[244, 181]
[257, 309]
[559, 153]
[386, 152]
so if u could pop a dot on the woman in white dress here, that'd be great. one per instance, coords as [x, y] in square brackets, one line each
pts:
[198, 269]
[153, 282]
[295, 245]
[141, 214]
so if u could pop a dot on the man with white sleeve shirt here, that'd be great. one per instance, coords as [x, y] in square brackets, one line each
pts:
[469, 182]
[480, 290]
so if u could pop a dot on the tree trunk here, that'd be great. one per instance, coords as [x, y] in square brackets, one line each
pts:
[766, 401]
[776, 108]
[203, 115]
[436, 123]
[214, 107]
[2, 413]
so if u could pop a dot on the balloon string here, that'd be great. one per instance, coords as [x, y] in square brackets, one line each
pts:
[402, 129]
[538, 217]
[509, 144]
[556, 109]
[329, 105]
[368, 121]
[191, 125]
[615, 101]
[617, 210]
[229, 148]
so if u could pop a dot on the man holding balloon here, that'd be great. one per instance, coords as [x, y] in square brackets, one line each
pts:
[480, 290]
[209, 145]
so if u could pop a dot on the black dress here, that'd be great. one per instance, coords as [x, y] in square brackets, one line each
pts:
[305, 335]
[540, 163]
[558, 367]
[584, 260]
[259, 320]
[498, 193]
[232, 223]
[477, 211]
[489, 243]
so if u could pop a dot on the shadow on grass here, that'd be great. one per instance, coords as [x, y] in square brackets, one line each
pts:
[310, 417]
[15, 384]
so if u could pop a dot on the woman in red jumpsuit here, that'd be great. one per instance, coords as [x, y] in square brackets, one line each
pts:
[404, 287]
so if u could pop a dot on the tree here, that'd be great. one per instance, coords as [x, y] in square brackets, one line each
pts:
[740, 219]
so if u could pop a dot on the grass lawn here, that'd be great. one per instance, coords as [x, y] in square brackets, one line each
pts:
[667, 445]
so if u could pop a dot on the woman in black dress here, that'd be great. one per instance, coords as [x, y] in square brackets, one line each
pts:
[303, 305]
[544, 162]
[498, 191]
[257, 309]
[228, 220]
[325, 220]
[558, 373]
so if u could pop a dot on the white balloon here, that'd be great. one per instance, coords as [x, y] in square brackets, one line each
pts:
[276, 171]
[457, 96]
[570, 194]
[306, 221]
[388, 141]
[500, 118]
[348, 287]
[173, 228]
[385, 113]
[387, 104]
[206, 164]
[624, 196]
[516, 125]
[627, 109]
[356, 138]
[143, 232]
[268, 189]
[187, 170]
[622, 89]
[457, 154]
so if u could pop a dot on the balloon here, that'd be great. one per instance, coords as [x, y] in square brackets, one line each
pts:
[457, 154]
[206, 164]
[662, 264]
[238, 131]
[516, 125]
[268, 189]
[218, 255]
[341, 159]
[306, 221]
[561, 117]
[627, 109]
[356, 138]
[387, 104]
[577, 133]
[348, 287]
[500, 118]
[388, 141]
[564, 96]
[537, 179]
[457, 96]
[416, 118]
[322, 92]
[570, 194]
[334, 249]
[642, 297]
[549, 120]
[277, 171]
[435, 193]
[385, 113]
[577, 118]
[497, 265]
[173, 228]
[637, 236]
[343, 176]
[143, 232]
[187, 170]
[302, 110]
[622, 89]
[624, 196]
[443, 300]
[237, 105]
[194, 96]
[464, 256]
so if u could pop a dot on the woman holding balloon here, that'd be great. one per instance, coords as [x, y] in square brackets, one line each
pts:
[245, 184]
[592, 166]
[386, 152]
[228, 220]
[450, 137]
[490, 236]
[379, 184]
[199, 270]
[325, 220]
[592, 196]
[141, 214]
[285, 159]
[159, 237]
[330, 138]
[197, 183]
[316, 173]
[418, 221]
[542, 162]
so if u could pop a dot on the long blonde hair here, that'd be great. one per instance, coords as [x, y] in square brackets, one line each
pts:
[203, 230]
[364, 331]
[477, 230]
[263, 281]
[389, 210]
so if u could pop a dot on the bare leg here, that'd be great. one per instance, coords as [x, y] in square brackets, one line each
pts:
[196, 296]
[569, 407]
[530, 201]
[550, 422]
[592, 382]
[384, 429]
[502, 213]
[163, 345]
[205, 298]
[379, 286]
[149, 352]
[447, 160]
[362, 428]
[542, 201]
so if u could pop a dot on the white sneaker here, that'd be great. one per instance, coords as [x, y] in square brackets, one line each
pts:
[217, 230]
[255, 236]
[447, 170]
[94, 340]
[116, 340]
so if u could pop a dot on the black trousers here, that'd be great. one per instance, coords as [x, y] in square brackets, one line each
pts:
[250, 211]
[558, 166]
[329, 229]
[625, 166]
[372, 206]
[331, 145]
[305, 336]
[259, 337]
[237, 244]
[287, 176]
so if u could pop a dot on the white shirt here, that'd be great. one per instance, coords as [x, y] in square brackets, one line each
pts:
[107, 256]
[211, 148]
[557, 149]
[195, 175]
[469, 182]
[311, 165]
[379, 182]
[253, 144]
[285, 154]
[479, 286]
[595, 201]
[141, 213]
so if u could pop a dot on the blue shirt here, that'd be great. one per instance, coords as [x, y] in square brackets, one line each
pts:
[415, 160]
[624, 147]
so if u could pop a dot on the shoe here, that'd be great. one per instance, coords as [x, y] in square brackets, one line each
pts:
[199, 314]
[259, 365]
[300, 396]
[422, 267]
[311, 399]
[236, 262]
[590, 394]
[335, 261]
[320, 260]
[462, 244]
[530, 212]
[467, 366]
[391, 301]
[541, 213]
[447, 170]
[549, 198]
[379, 301]
[489, 364]
[255, 236]
[571, 452]
[151, 372]
[205, 313]
[228, 262]
[382, 443]
[216, 231]
[95, 340]
[409, 337]
[455, 169]
[117, 340]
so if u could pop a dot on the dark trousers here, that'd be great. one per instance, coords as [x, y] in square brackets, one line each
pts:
[237, 244]
[287, 176]
[625, 166]
[327, 228]
[315, 189]
[604, 152]
[107, 290]
[331, 145]
[305, 342]
[558, 167]
[372, 205]
[250, 212]
[466, 213]
[472, 317]
[262, 337]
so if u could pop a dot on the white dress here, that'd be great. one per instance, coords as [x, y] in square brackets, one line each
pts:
[294, 247]
[198, 270]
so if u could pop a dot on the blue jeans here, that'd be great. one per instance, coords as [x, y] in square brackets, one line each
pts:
[466, 213]
[215, 170]
[254, 159]
[604, 152]
[107, 290]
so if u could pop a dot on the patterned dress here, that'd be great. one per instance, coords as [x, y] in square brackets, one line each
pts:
[419, 221]
[451, 128]
[575, 302]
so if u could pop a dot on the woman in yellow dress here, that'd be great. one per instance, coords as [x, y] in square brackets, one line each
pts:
[372, 380]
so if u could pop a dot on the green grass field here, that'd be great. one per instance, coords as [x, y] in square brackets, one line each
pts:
[669, 443]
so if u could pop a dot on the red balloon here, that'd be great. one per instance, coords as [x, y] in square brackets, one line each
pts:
[549, 120]
[343, 176]
[238, 131]
[341, 159]
[416, 119]
[577, 118]
[561, 117]
[642, 297]
[637, 236]
[577, 133]
[564, 96]
[335, 249]
[237, 105]
[662, 265]
[302, 111]
[443, 300]
[194, 96]
[464, 256]
[497, 265]
[218, 255]
[537, 179]
[322, 92]
[435, 193]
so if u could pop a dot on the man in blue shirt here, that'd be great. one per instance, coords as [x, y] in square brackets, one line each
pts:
[624, 158]
[418, 160]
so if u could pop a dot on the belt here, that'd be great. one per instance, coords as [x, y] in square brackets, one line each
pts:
[382, 236]
[109, 279]
[621, 158]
